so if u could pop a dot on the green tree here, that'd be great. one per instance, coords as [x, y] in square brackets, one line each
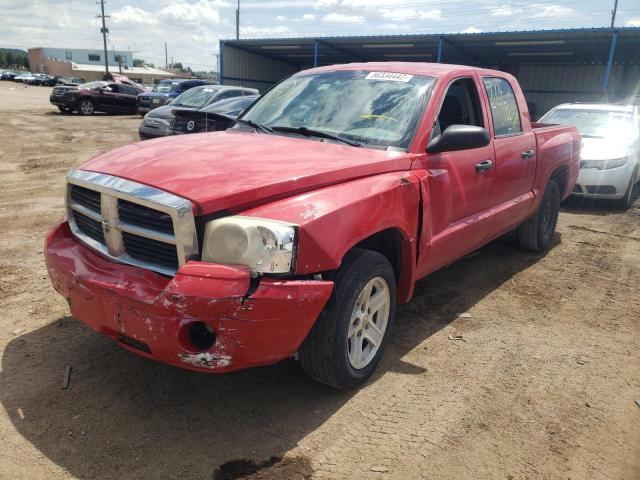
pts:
[3, 59]
[138, 62]
[25, 62]
[9, 59]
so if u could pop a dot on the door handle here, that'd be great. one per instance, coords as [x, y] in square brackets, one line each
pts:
[528, 153]
[484, 165]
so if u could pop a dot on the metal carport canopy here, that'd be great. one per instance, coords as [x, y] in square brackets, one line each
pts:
[570, 46]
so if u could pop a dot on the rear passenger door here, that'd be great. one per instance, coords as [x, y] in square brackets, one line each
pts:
[460, 183]
[127, 98]
[515, 154]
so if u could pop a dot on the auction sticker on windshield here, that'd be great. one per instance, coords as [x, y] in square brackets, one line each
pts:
[396, 77]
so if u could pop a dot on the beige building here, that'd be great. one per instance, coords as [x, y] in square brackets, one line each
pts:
[89, 64]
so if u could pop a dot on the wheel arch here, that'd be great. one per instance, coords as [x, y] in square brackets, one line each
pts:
[561, 176]
[394, 245]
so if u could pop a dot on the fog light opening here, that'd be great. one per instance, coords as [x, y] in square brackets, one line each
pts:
[201, 335]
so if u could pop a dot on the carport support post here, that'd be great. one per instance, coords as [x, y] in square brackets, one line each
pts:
[315, 53]
[220, 62]
[612, 51]
[440, 47]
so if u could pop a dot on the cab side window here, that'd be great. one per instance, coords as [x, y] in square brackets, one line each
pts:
[504, 108]
[461, 106]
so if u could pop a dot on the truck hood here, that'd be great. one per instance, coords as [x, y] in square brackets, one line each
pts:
[604, 148]
[226, 170]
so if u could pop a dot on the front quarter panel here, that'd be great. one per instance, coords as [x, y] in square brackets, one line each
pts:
[334, 219]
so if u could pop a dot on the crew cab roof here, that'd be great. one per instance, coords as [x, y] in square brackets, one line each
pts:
[415, 68]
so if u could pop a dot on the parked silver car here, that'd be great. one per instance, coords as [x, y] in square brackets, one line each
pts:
[609, 166]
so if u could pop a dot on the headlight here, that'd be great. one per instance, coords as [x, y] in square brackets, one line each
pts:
[265, 246]
[604, 164]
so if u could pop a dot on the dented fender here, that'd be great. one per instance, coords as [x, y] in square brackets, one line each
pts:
[334, 219]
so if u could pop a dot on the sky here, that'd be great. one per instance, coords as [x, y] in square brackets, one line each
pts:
[192, 28]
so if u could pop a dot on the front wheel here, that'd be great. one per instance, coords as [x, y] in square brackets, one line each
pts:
[536, 234]
[346, 343]
[64, 109]
[86, 107]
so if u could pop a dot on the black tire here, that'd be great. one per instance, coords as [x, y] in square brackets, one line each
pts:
[64, 109]
[324, 353]
[629, 196]
[86, 107]
[536, 234]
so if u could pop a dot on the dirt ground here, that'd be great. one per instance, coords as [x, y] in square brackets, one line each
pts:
[541, 386]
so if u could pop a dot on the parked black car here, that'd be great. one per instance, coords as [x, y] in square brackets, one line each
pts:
[214, 117]
[157, 122]
[94, 97]
[7, 75]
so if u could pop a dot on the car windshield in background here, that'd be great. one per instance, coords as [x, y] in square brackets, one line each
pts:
[194, 97]
[377, 109]
[93, 84]
[166, 87]
[595, 123]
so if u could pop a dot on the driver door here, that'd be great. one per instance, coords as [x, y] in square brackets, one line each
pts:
[457, 192]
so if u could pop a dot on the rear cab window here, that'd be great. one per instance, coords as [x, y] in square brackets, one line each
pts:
[504, 107]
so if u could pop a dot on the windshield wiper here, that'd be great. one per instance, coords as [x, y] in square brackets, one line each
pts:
[310, 132]
[257, 126]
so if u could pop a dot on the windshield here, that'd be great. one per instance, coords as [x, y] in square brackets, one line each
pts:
[594, 123]
[195, 97]
[166, 87]
[93, 84]
[373, 108]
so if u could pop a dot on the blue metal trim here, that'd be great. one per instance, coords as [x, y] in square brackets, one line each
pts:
[440, 46]
[612, 51]
[315, 53]
[427, 35]
[221, 60]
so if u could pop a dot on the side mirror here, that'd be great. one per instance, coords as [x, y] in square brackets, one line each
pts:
[459, 137]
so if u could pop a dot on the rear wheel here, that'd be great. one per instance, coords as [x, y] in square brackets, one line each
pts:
[346, 343]
[629, 195]
[86, 107]
[536, 234]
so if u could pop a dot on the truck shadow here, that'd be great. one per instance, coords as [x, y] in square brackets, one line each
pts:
[126, 417]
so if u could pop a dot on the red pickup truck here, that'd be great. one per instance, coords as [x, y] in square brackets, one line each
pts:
[297, 231]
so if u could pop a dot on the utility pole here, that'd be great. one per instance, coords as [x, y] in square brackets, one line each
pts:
[166, 56]
[104, 31]
[613, 13]
[238, 21]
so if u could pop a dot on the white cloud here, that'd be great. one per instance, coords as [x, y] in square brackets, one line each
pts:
[634, 22]
[410, 13]
[307, 17]
[129, 14]
[552, 11]
[203, 11]
[341, 18]
[249, 31]
[325, 3]
[505, 11]
[281, 18]
[471, 30]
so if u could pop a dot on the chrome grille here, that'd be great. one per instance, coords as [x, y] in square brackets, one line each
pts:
[130, 222]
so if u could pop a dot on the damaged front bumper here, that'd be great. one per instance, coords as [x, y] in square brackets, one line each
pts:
[153, 316]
